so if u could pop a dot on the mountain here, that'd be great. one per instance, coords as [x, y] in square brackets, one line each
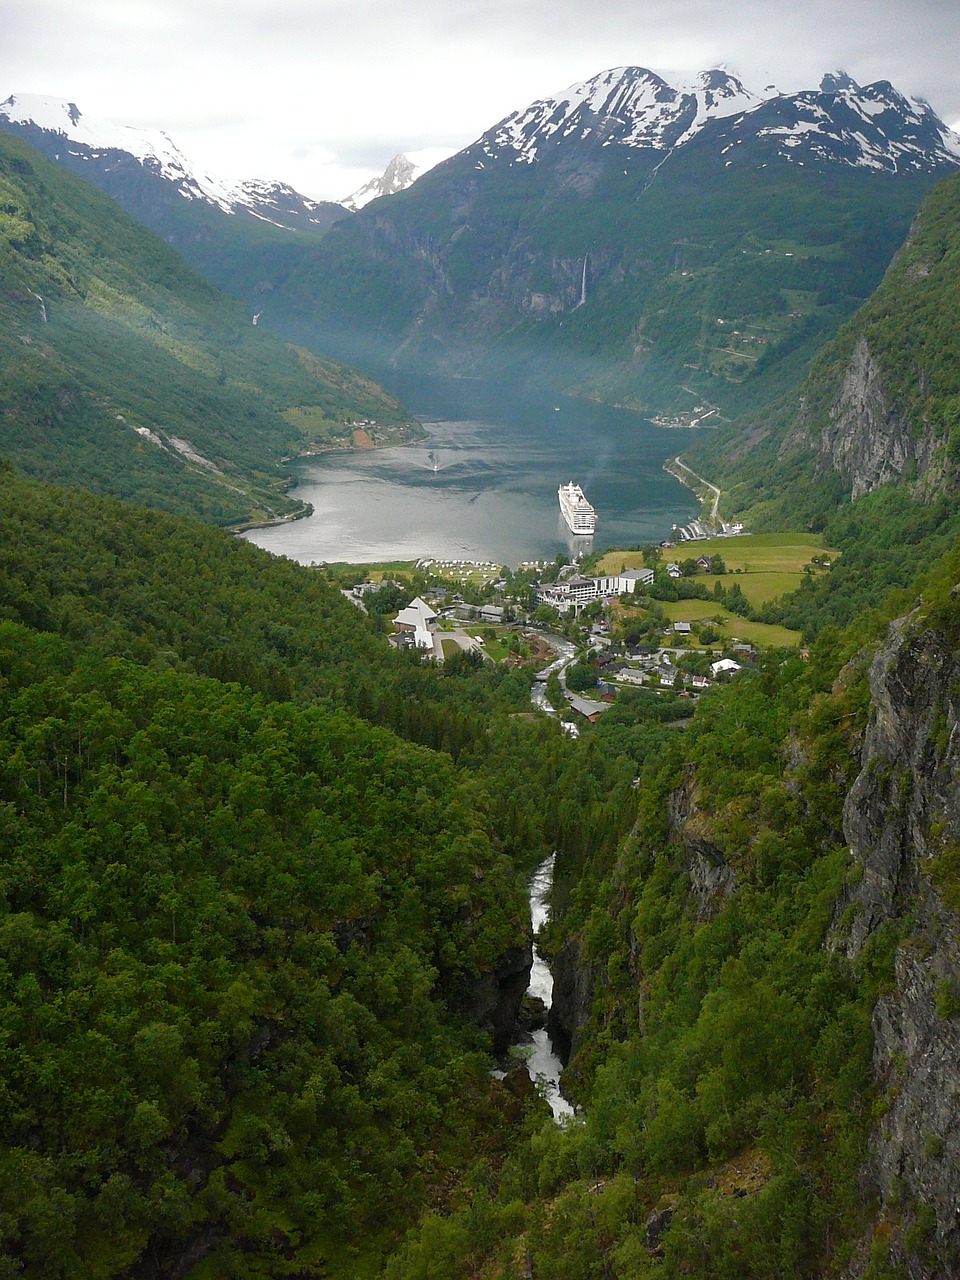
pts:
[400, 173]
[843, 123]
[628, 238]
[881, 404]
[238, 234]
[122, 371]
[627, 106]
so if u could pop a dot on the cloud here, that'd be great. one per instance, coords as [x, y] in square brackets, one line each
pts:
[319, 92]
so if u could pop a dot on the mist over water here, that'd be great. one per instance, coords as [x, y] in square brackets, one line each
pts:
[483, 485]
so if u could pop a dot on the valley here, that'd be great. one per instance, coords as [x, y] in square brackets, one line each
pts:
[265, 872]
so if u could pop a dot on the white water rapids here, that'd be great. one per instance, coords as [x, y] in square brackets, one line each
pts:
[542, 1063]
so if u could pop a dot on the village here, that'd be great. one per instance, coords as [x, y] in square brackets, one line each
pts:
[635, 620]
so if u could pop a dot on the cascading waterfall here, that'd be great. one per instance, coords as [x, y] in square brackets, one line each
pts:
[542, 1062]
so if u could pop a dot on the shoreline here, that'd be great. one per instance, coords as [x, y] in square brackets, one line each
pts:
[709, 517]
[307, 508]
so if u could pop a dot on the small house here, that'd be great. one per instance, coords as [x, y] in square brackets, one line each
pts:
[725, 666]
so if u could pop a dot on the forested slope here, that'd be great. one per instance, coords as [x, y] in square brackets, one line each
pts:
[245, 932]
[255, 946]
[880, 404]
[121, 370]
[761, 988]
[231, 934]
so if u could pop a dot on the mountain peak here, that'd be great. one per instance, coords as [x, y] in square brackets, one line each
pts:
[402, 172]
[630, 105]
[97, 147]
[838, 82]
[871, 126]
[151, 147]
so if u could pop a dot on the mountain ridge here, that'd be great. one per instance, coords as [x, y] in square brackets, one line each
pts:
[91, 140]
[881, 403]
[123, 370]
[574, 244]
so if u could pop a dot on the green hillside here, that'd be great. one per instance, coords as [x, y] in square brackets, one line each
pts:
[899, 356]
[247, 931]
[721, 280]
[106, 337]
[256, 868]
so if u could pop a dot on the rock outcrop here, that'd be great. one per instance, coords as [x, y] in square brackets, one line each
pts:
[572, 998]
[496, 997]
[865, 438]
[712, 880]
[901, 819]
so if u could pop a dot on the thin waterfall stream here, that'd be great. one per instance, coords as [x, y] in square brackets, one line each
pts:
[542, 1062]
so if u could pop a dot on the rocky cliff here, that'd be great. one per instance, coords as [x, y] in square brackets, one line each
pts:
[866, 438]
[495, 998]
[881, 402]
[902, 822]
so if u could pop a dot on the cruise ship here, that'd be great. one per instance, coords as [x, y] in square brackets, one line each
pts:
[576, 510]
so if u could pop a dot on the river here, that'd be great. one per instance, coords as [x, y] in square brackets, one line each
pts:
[542, 1062]
[483, 485]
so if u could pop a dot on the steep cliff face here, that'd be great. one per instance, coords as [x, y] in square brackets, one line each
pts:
[712, 880]
[865, 438]
[579, 974]
[573, 984]
[495, 999]
[882, 401]
[902, 819]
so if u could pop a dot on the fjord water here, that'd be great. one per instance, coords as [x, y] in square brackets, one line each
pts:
[483, 485]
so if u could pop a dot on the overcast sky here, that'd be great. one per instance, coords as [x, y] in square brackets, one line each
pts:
[322, 93]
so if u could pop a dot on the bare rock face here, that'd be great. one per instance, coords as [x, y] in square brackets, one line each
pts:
[902, 813]
[865, 439]
[573, 984]
[496, 997]
[712, 880]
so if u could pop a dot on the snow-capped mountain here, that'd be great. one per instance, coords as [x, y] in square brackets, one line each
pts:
[630, 106]
[842, 122]
[864, 126]
[91, 139]
[106, 153]
[402, 172]
[634, 238]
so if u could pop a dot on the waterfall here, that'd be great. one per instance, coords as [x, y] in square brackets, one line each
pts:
[583, 284]
[542, 1062]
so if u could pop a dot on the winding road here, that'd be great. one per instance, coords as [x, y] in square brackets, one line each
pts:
[682, 466]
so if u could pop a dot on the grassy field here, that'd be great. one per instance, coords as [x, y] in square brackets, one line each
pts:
[730, 625]
[761, 586]
[770, 564]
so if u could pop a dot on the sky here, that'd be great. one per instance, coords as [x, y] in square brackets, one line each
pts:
[323, 93]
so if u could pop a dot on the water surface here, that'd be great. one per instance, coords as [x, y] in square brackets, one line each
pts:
[483, 485]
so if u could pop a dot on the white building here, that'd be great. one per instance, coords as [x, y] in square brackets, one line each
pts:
[724, 665]
[577, 591]
[417, 620]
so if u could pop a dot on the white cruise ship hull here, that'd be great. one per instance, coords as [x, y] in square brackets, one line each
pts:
[579, 516]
